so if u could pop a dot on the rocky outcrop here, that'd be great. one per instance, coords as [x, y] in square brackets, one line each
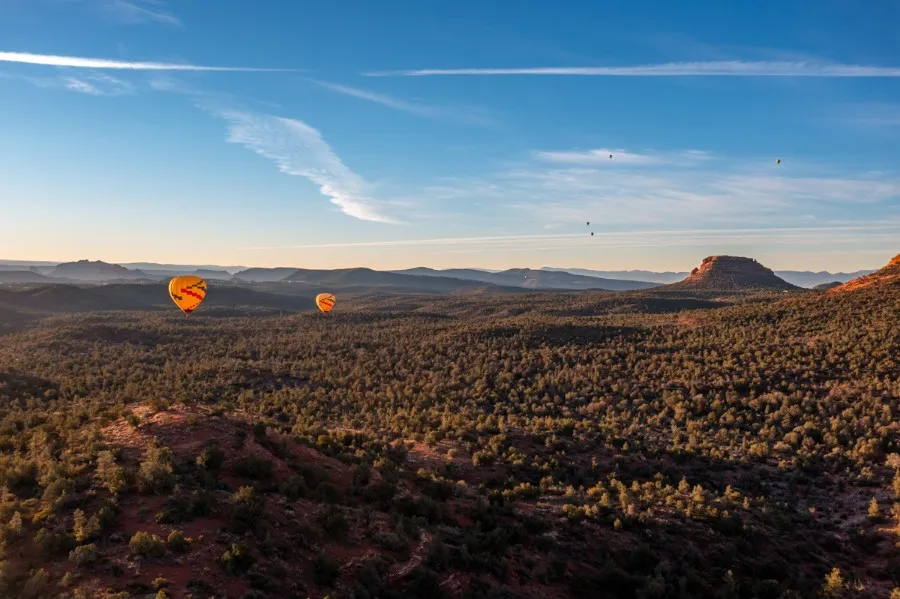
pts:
[733, 273]
[889, 275]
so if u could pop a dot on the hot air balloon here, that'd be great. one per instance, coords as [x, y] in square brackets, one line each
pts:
[592, 233]
[325, 301]
[778, 161]
[187, 292]
[610, 156]
[588, 223]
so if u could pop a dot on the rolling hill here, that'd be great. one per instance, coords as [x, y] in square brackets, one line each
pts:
[71, 298]
[363, 279]
[533, 279]
[210, 274]
[264, 275]
[23, 276]
[661, 278]
[887, 276]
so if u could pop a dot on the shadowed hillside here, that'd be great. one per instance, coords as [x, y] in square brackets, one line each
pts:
[360, 279]
[533, 279]
[151, 296]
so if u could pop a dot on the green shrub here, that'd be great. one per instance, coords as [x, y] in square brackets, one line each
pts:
[109, 474]
[147, 545]
[159, 583]
[84, 555]
[247, 507]
[177, 542]
[51, 543]
[155, 474]
[294, 488]
[211, 459]
[237, 559]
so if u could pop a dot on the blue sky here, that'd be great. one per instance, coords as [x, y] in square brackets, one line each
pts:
[396, 134]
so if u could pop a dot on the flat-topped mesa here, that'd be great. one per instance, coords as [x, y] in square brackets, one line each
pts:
[733, 273]
[888, 275]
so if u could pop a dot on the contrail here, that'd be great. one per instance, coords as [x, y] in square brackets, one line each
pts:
[103, 63]
[733, 68]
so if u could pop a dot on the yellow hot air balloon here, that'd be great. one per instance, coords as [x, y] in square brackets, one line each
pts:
[325, 301]
[187, 292]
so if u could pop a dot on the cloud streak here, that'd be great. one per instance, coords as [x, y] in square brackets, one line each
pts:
[94, 84]
[643, 238]
[98, 84]
[298, 149]
[132, 12]
[104, 63]
[730, 68]
[652, 190]
[422, 110]
[620, 156]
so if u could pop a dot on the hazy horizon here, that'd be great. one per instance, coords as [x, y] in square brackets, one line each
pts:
[417, 264]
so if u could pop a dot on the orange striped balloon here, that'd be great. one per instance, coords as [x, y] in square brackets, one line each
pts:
[187, 292]
[325, 301]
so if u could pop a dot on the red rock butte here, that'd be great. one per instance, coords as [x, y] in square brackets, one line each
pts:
[733, 273]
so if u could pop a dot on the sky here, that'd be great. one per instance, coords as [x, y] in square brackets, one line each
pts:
[451, 134]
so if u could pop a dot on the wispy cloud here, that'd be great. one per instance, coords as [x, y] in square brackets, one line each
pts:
[133, 12]
[95, 84]
[422, 110]
[869, 114]
[619, 156]
[730, 68]
[98, 84]
[644, 238]
[104, 63]
[130, 11]
[298, 149]
[687, 188]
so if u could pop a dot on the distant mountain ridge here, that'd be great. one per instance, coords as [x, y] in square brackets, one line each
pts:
[23, 276]
[265, 275]
[533, 279]
[86, 270]
[661, 278]
[544, 278]
[357, 279]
